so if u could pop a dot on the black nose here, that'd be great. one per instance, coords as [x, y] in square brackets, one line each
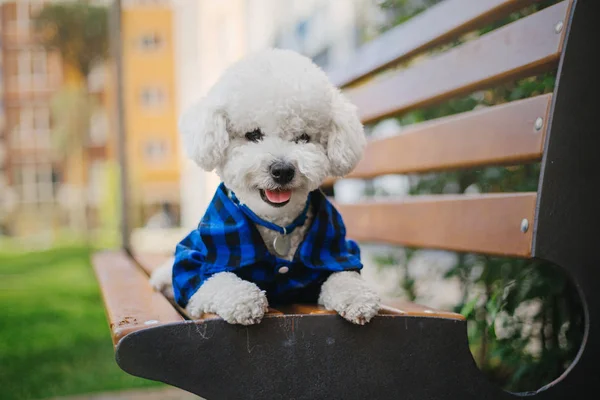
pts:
[282, 172]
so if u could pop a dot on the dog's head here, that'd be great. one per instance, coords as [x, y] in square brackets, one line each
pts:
[274, 128]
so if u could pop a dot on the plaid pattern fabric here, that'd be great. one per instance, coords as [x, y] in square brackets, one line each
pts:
[226, 240]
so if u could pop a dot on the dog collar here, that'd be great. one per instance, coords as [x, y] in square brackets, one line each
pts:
[300, 219]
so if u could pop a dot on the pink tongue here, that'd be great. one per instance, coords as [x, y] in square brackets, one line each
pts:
[278, 196]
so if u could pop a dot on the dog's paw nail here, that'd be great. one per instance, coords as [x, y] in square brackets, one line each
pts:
[360, 310]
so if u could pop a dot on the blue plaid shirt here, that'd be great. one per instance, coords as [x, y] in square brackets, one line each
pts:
[227, 240]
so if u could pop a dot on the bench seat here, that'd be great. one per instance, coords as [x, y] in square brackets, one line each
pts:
[154, 339]
[132, 304]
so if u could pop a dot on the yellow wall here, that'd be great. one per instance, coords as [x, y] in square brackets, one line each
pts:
[151, 181]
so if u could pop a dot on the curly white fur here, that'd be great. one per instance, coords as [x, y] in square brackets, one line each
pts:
[162, 279]
[235, 300]
[349, 295]
[285, 95]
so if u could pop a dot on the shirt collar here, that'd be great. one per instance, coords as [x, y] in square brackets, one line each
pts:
[222, 210]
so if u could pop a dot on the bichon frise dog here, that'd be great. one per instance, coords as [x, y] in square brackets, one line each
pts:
[273, 127]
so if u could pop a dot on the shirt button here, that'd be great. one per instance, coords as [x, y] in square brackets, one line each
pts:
[283, 270]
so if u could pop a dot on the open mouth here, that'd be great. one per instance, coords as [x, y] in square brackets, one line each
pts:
[276, 198]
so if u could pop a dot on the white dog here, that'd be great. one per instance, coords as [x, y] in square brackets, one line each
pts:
[274, 128]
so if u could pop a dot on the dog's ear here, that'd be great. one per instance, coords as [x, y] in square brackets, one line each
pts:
[203, 130]
[346, 142]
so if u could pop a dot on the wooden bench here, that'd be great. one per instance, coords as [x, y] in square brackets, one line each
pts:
[410, 351]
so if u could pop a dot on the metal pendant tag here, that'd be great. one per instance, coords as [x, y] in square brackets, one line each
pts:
[282, 245]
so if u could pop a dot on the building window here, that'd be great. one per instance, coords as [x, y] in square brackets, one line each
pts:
[152, 97]
[39, 62]
[18, 17]
[23, 16]
[41, 127]
[155, 151]
[24, 70]
[34, 183]
[32, 128]
[32, 69]
[41, 118]
[23, 132]
[26, 120]
[150, 42]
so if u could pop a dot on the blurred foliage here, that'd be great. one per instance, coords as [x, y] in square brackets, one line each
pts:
[78, 30]
[71, 108]
[525, 318]
[399, 11]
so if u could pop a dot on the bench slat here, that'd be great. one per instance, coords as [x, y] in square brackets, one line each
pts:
[523, 48]
[394, 307]
[150, 261]
[488, 223]
[504, 134]
[437, 25]
[131, 303]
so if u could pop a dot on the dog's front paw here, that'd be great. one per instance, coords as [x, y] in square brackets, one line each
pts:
[351, 297]
[235, 300]
[247, 308]
[361, 309]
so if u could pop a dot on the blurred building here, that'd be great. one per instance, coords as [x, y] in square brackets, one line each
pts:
[4, 188]
[150, 96]
[48, 186]
[42, 189]
[29, 77]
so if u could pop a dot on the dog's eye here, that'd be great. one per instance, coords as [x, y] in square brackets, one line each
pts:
[254, 136]
[304, 138]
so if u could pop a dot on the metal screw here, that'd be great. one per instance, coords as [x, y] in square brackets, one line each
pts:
[151, 322]
[524, 225]
[539, 122]
[558, 27]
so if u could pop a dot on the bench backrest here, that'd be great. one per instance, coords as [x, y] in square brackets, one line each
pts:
[557, 223]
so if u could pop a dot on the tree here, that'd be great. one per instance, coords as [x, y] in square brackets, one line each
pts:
[78, 31]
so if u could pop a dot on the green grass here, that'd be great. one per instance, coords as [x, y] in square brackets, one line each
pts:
[54, 338]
